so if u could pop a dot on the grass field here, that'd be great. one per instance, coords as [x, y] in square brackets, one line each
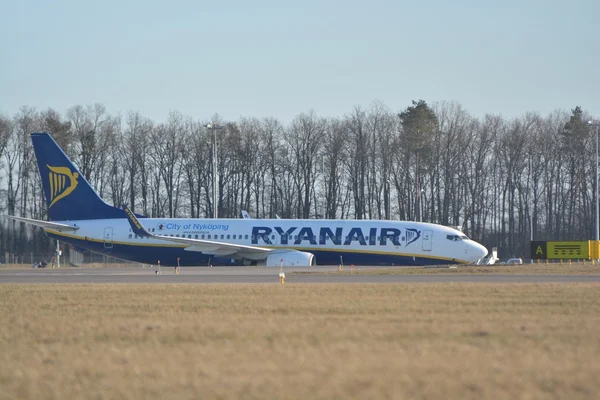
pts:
[565, 268]
[461, 341]
[65, 265]
[524, 269]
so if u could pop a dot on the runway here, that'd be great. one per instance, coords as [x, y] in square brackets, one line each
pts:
[264, 275]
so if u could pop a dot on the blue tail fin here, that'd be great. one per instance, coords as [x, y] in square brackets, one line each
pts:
[68, 195]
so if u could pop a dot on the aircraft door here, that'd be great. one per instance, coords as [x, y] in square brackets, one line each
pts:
[427, 240]
[108, 238]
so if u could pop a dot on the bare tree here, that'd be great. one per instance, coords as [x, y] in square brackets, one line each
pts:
[132, 145]
[168, 148]
[501, 180]
[357, 161]
[333, 156]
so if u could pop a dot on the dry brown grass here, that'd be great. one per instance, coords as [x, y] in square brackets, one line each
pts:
[574, 268]
[14, 266]
[66, 265]
[525, 269]
[461, 341]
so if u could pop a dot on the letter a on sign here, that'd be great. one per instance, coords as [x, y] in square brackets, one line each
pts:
[539, 251]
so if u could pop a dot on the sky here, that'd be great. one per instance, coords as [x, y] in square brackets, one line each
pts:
[279, 59]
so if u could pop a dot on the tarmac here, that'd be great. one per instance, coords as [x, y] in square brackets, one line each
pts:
[264, 275]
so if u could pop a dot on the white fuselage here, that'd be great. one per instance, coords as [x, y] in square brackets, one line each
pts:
[362, 241]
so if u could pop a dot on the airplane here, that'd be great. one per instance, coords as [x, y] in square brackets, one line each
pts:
[246, 215]
[79, 217]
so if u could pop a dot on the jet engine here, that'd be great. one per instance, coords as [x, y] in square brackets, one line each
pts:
[290, 258]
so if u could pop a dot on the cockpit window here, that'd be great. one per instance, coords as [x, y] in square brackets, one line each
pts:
[457, 238]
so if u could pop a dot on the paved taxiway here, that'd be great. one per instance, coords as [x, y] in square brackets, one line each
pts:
[257, 275]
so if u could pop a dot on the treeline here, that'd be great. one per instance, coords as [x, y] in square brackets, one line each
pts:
[496, 178]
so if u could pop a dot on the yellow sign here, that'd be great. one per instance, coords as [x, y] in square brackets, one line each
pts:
[59, 186]
[566, 250]
[594, 248]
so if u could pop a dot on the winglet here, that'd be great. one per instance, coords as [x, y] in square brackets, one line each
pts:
[136, 225]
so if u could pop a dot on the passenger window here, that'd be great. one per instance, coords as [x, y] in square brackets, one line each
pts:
[246, 237]
[222, 236]
[202, 236]
[234, 237]
[208, 236]
[195, 236]
[130, 236]
[228, 236]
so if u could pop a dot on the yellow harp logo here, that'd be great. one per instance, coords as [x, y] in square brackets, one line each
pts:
[62, 183]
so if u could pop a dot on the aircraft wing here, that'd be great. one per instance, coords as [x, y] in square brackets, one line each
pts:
[205, 246]
[45, 224]
[218, 248]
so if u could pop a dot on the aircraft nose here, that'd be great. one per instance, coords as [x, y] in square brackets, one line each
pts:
[478, 251]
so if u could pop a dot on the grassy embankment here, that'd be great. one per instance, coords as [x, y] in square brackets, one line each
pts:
[462, 341]
[564, 268]
[64, 265]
